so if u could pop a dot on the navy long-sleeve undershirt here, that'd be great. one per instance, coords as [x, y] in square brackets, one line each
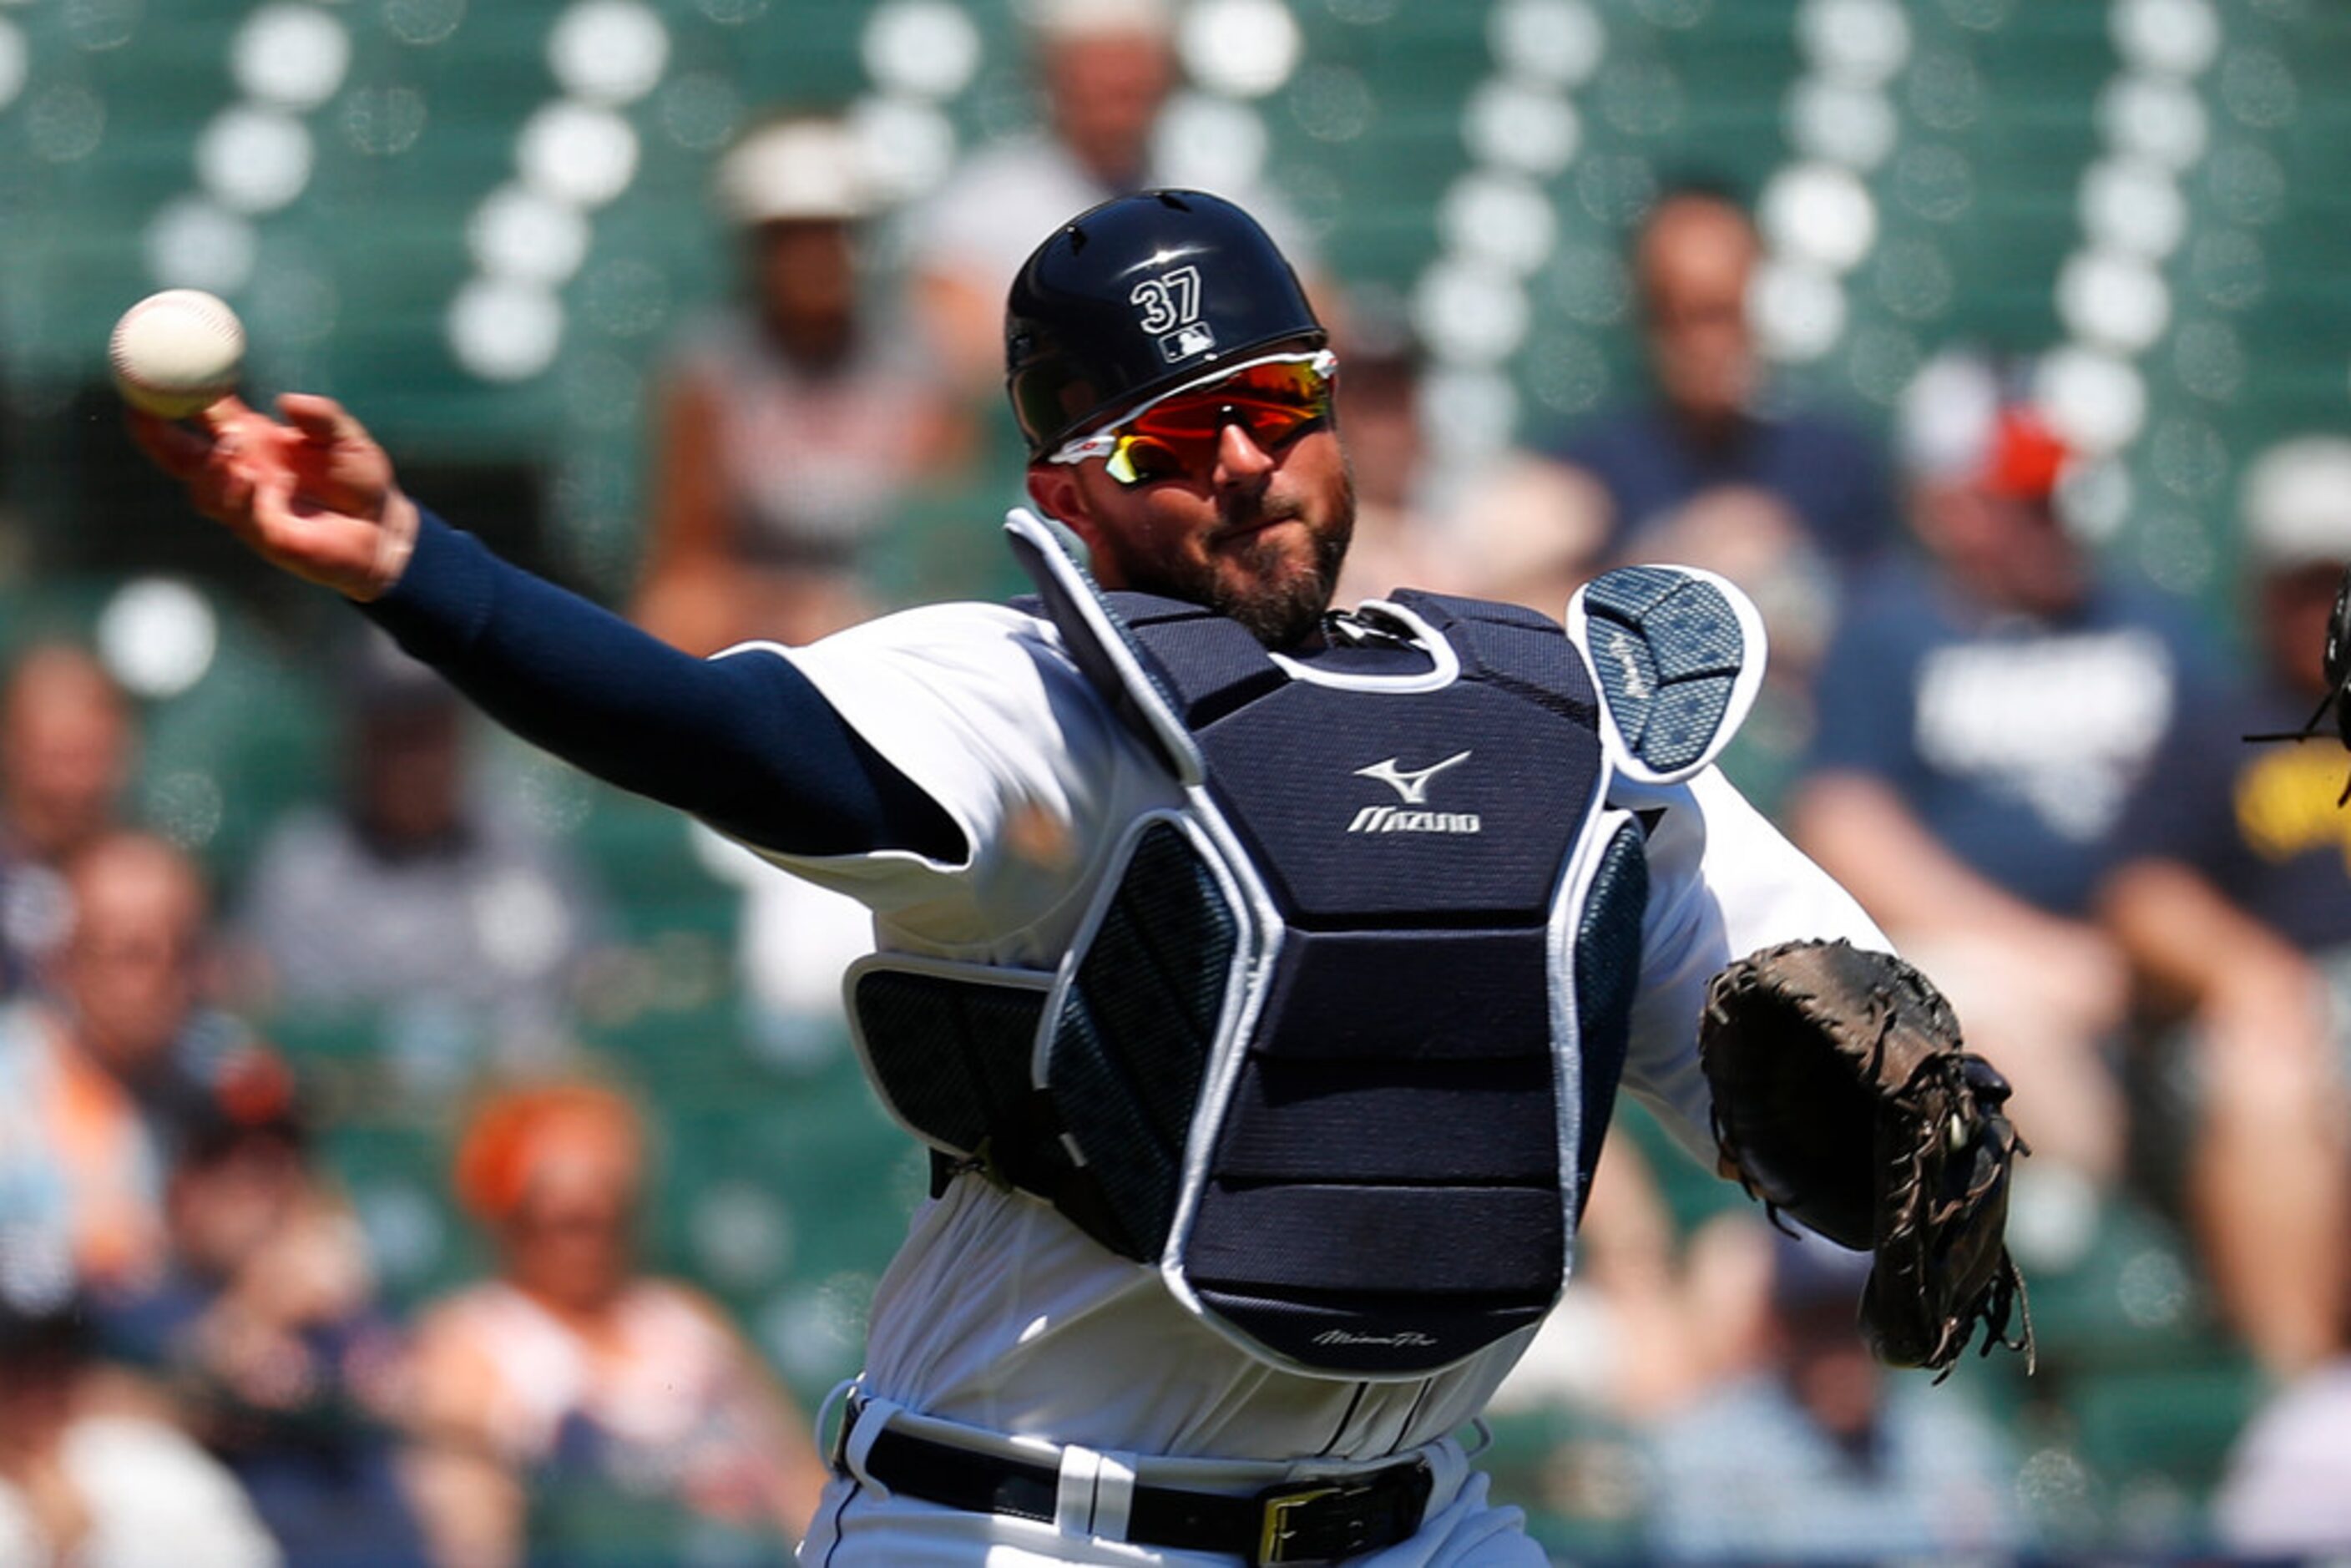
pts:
[748, 744]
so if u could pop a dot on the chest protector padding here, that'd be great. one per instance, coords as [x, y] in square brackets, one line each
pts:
[976, 1076]
[1384, 1191]
[1337, 1047]
[1607, 979]
[1135, 1031]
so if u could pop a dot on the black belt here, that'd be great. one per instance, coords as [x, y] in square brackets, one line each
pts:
[1301, 1521]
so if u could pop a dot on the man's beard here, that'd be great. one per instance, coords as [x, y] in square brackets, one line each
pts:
[1281, 608]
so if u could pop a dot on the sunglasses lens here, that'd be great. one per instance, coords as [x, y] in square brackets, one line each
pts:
[1139, 459]
[1274, 402]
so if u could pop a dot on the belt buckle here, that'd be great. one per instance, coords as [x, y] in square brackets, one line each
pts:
[1275, 1539]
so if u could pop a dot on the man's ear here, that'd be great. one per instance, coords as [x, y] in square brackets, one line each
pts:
[1055, 489]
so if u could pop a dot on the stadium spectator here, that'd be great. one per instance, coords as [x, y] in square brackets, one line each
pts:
[474, 922]
[793, 426]
[1819, 1456]
[2233, 902]
[1710, 470]
[90, 1486]
[265, 1333]
[1711, 423]
[1107, 67]
[66, 747]
[97, 1082]
[1983, 718]
[578, 1376]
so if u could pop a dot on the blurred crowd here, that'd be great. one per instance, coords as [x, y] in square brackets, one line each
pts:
[2025, 761]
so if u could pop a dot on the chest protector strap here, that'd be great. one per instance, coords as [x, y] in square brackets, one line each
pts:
[1335, 1046]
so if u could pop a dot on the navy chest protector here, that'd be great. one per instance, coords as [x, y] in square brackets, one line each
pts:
[1336, 1044]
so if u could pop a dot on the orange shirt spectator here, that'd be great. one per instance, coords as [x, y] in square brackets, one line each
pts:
[573, 1370]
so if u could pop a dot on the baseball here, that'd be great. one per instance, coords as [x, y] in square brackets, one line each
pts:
[177, 352]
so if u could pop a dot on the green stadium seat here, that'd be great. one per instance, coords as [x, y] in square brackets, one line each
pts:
[2170, 1423]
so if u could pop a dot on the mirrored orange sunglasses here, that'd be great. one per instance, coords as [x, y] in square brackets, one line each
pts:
[1276, 399]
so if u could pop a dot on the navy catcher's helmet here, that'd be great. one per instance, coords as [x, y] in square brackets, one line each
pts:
[1140, 294]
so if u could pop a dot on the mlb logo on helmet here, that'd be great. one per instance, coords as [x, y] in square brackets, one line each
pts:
[1196, 338]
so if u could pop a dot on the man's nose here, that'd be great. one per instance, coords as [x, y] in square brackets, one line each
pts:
[1240, 461]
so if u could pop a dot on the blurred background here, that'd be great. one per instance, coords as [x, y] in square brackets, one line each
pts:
[413, 1151]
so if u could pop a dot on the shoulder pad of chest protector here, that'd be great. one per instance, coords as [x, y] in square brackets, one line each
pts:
[1677, 655]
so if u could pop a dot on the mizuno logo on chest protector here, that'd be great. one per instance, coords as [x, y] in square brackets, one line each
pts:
[1412, 786]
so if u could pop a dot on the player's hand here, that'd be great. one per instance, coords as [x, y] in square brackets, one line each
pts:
[313, 495]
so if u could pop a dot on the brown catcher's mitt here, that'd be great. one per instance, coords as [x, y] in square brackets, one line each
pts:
[1843, 1098]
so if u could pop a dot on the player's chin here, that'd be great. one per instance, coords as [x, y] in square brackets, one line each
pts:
[1280, 595]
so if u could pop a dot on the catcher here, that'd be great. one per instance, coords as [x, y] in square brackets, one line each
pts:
[1261, 977]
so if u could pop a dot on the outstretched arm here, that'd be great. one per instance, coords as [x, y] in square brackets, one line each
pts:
[745, 743]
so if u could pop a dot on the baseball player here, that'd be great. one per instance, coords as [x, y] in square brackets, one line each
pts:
[1260, 977]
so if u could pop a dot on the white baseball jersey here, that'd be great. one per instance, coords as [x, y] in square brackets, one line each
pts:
[1001, 1316]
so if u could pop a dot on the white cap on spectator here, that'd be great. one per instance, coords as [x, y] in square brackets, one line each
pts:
[2296, 504]
[1946, 414]
[801, 170]
[1969, 418]
[1095, 18]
